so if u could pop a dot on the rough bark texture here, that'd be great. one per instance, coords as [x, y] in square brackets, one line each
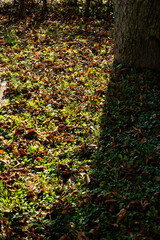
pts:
[137, 33]
[44, 6]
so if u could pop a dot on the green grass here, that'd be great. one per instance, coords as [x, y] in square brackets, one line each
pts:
[79, 144]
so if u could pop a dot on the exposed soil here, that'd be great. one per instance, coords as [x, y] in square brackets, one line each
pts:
[3, 86]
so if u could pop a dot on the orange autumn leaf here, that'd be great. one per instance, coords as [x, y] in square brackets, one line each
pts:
[71, 139]
[1, 151]
[31, 130]
[83, 168]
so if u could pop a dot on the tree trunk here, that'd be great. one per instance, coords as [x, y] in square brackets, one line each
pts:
[44, 6]
[137, 33]
[87, 8]
[21, 9]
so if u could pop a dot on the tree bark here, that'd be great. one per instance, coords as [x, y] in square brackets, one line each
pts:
[137, 33]
[21, 9]
[44, 6]
[87, 8]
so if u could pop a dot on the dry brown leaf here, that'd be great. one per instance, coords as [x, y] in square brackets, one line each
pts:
[110, 201]
[115, 194]
[122, 214]
[113, 224]
[82, 236]
[5, 162]
[144, 204]
[24, 170]
[157, 178]
[143, 140]
[39, 168]
[22, 152]
[64, 237]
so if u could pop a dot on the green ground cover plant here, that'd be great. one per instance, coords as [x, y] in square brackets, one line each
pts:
[79, 144]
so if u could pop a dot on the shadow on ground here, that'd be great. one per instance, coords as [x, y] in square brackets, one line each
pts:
[61, 175]
[127, 168]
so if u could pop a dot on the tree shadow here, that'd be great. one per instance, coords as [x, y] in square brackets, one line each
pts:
[123, 178]
[117, 194]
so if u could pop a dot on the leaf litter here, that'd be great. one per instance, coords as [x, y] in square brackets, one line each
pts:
[57, 73]
[66, 173]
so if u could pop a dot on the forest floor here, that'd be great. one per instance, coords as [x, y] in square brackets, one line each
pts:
[79, 140]
[3, 87]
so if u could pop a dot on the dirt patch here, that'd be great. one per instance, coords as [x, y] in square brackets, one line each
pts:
[3, 86]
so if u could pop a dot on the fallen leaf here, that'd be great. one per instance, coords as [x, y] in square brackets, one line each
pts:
[157, 178]
[64, 237]
[144, 204]
[82, 236]
[24, 170]
[83, 168]
[113, 224]
[115, 194]
[121, 214]
[88, 178]
[8, 231]
[110, 201]
[30, 134]
[39, 168]
[22, 152]
[143, 140]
